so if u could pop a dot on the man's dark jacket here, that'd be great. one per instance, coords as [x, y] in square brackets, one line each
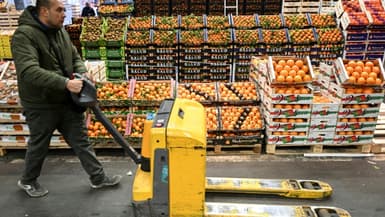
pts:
[41, 79]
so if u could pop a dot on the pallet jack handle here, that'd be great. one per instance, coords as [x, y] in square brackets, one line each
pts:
[135, 156]
[88, 98]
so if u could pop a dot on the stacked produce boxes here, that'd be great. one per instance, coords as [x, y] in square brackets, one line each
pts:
[143, 8]
[91, 39]
[300, 6]
[162, 7]
[359, 87]
[74, 30]
[363, 24]
[247, 43]
[115, 37]
[137, 43]
[116, 9]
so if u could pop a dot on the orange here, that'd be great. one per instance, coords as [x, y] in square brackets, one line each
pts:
[358, 90]
[305, 107]
[378, 81]
[369, 64]
[295, 68]
[282, 62]
[284, 73]
[361, 119]
[344, 120]
[299, 63]
[297, 91]
[301, 73]
[364, 106]
[349, 69]
[370, 80]
[289, 79]
[297, 106]
[290, 62]
[354, 120]
[360, 63]
[298, 79]
[286, 67]
[364, 75]
[304, 91]
[373, 75]
[352, 63]
[299, 120]
[376, 69]
[281, 78]
[352, 80]
[361, 80]
[289, 91]
[278, 68]
[367, 69]
[356, 74]
[305, 68]
[358, 69]
[368, 90]
[292, 73]
[307, 78]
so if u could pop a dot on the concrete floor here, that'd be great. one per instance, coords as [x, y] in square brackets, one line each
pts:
[359, 184]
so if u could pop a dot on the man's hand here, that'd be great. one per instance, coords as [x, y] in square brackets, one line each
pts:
[74, 85]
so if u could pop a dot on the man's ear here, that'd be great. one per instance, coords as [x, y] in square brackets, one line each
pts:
[44, 11]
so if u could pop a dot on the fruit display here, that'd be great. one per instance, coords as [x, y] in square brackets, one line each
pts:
[302, 36]
[113, 91]
[217, 22]
[140, 23]
[114, 110]
[240, 118]
[323, 20]
[355, 20]
[91, 30]
[123, 9]
[244, 22]
[274, 36]
[192, 38]
[191, 22]
[212, 122]
[166, 23]
[330, 36]
[138, 38]
[237, 91]
[219, 37]
[137, 125]
[376, 11]
[201, 92]
[152, 90]
[291, 70]
[164, 38]
[365, 72]
[351, 6]
[270, 21]
[298, 21]
[9, 92]
[96, 128]
[246, 37]
[116, 30]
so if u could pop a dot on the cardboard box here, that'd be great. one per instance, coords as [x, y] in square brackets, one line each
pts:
[324, 124]
[287, 127]
[318, 137]
[326, 110]
[281, 140]
[358, 36]
[339, 91]
[354, 55]
[357, 126]
[365, 139]
[347, 24]
[275, 98]
[344, 77]
[356, 113]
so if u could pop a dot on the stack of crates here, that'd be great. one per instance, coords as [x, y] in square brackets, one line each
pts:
[360, 100]
[251, 7]
[162, 7]
[137, 44]
[274, 38]
[192, 59]
[143, 7]
[74, 30]
[198, 7]
[91, 39]
[179, 7]
[115, 37]
[247, 43]
[164, 54]
[219, 52]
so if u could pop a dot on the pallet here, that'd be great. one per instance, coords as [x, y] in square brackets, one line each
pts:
[255, 149]
[302, 149]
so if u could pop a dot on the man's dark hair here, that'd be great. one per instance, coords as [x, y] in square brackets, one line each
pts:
[42, 3]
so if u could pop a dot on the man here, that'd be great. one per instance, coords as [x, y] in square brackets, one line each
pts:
[88, 11]
[45, 60]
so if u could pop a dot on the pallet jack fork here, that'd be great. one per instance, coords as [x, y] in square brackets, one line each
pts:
[171, 177]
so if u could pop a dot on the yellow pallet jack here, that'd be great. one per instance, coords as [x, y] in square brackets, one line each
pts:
[170, 180]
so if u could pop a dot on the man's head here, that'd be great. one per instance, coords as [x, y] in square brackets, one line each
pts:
[87, 4]
[51, 12]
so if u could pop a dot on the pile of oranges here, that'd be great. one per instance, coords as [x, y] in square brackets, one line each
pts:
[291, 71]
[363, 72]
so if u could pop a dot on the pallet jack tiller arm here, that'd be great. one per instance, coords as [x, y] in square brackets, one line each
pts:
[88, 98]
